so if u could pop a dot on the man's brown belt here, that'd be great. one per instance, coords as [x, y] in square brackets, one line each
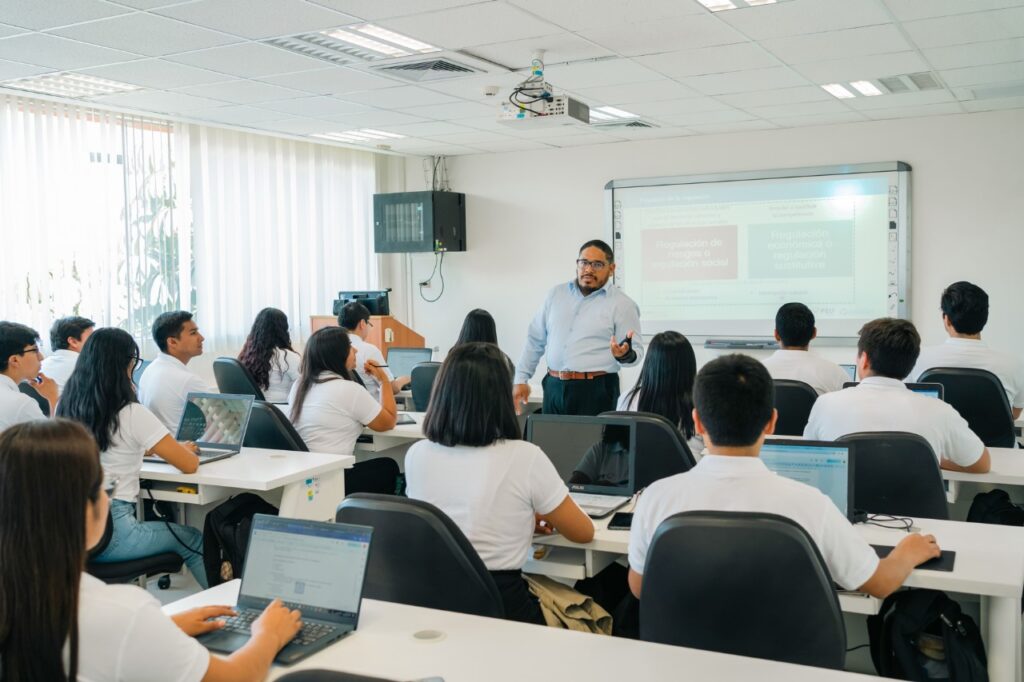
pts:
[566, 375]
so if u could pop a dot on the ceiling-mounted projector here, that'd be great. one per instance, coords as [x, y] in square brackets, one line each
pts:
[531, 104]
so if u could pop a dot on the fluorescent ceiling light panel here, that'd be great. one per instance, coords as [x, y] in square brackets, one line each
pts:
[615, 113]
[866, 88]
[368, 43]
[363, 135]
[838, 91]
[73, 85]
[755, 3]
[396, 38]
[594, 113]
[717, 5]
[722, 5]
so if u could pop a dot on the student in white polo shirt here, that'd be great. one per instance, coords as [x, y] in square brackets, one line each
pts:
[794, 330]
[268, 355]
[964, 315]
[733, 411]
[355, 319]
[19, 361]
[167, 381]
[60, 623]
[886, 351]
[67, 336]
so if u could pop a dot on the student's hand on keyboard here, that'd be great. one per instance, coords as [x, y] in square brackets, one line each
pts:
[279, 622]
[191, 447]
[203, 619]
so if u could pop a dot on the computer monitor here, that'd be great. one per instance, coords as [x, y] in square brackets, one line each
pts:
[591, 454]
[927, 389]
[851, 371]
[825, 465]
[402, 360]
[375, 301]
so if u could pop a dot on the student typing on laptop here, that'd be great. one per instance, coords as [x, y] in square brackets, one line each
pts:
[734, 412]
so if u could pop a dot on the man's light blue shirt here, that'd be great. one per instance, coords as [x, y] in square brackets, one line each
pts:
[573, 332]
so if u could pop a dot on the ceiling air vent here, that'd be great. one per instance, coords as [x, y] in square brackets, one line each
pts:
[634, 124]
[911, 82]
[438, 68]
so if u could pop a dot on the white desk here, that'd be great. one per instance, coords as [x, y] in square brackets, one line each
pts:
[474, 648]
[403, 434]
[312, 484]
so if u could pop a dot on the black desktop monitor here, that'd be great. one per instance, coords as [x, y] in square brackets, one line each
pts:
[375, 301]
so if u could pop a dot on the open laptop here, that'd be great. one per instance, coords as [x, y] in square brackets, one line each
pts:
[595, 456]
[216, 422]
[402, 360]
[851, 371]
[312, 566]
[825, 465]
[928, 389]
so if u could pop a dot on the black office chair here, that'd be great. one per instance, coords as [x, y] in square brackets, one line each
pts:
[137, 374]
[44, 404]
[661, 450]
[793, 400]
[269, 428]
[897, 473]
[328, 676]
[420, 557]
[741, 583]
[234, 377]
[423, 376]
[132, 570]
[980, 398]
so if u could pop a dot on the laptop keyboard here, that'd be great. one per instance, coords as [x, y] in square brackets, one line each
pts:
[309, 633]
[597, 501]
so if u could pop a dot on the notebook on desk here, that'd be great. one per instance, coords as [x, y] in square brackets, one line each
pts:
[216, 422]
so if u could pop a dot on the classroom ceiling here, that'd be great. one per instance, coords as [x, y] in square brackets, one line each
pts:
[675, 64]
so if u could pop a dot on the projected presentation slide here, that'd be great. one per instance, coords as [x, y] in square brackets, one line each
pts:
[722, 257]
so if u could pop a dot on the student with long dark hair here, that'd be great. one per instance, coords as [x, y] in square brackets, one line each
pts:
[476, 469]
[328, 408]
[59, 624]
[100, 394]
[665, 386]
[269, 356]
[479, 327]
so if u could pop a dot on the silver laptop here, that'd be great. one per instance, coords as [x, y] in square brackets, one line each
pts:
[313, 566]
[216, 422]
[595, 456]
[402, 360]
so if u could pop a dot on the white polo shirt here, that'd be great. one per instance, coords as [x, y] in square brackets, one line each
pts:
[59, 365]
[123, 635]
[284, 371]
[883, 404]
[333, 414]
[138, 430]
[15, 406]
[367, 351]
[824, 376]
[745, 484]
[165, 385]
[975, 354]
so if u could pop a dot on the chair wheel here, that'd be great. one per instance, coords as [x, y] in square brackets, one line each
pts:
[164, 582]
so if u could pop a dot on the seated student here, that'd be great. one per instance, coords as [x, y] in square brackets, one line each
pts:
[794, 330]
[166, 383]
[733, 410]
[269, 356]
[476, 469]
[100, 395]
[355, 319]
[606, 462]
[19, 361]
[326, 406]
[665, 386]
[59, 623]
[964, 314]
[479, 327]
[67, 336]
[886, 351]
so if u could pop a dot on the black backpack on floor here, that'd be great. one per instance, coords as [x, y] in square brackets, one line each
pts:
[226, 536]
[996, 508]
[921, 635]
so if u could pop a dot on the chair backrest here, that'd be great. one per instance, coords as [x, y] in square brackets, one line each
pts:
[44, 404]
[269, 428]
[234, 377]
[897, 473]
[137, 374]
[793, 400]
[420, 557]
[661, 450]
[741, 583]
[423, 376]
[980, 398]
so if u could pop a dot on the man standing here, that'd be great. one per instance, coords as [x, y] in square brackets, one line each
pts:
[166, 383]
[586, 330]
[67, 336]
[355, 318]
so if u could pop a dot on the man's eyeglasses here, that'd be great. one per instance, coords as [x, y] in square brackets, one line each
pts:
[596, 265]
[34, 349]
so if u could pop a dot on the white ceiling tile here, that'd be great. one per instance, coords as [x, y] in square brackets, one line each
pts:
[242, 92]
[401, 97]
[146, 34]
[805, 16]
[990, 91]
[818, 119]
[982, 75]
[914, 112]
[43, 14]
[517, 145]
[486, 123]
[976, 54]
[745, 81]
[157, 73]
[258, 18]
[702, 117]
[718, 59]
[374, 119]
[832, 106]
[994, 104]
[10, 30]
[599, 73]
[472, 87]
[316, 107]
[666, 35]
[249, 60]
[766, 98]
[238, 115]
[58, 53]
[860, 68]
[737, 127]
[678, 106]
[650, 91]
[157, 101]
[542, 133]
[147, 4]
[301, 126]
[454, 111]
[429, 129]
[337, 80]
[563, 47]
[901, 100]
[967, 28]
[908, 10]
[482, 24]
[9, 70]
[433, 148]
[851, 42]
[653, 133]
[581, 140]
[472, 137]
[375, 9]
[575, 15]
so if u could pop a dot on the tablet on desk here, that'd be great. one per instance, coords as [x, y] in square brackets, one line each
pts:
[944, 562]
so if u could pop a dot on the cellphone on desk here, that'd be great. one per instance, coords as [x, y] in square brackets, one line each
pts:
[621, 521]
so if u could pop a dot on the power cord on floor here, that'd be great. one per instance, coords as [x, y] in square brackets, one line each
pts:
[167, 523]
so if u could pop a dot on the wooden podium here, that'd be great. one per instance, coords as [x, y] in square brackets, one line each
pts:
[385, 332]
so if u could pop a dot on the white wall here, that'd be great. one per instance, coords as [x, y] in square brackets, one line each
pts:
[528, 212]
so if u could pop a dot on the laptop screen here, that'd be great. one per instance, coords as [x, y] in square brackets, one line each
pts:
[310, 565]
[851, 371]
[215, 419]
[591, 454]
[930, 390]
[402, 360]
[823, 465]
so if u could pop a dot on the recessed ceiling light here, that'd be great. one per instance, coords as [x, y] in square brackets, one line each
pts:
[717, 5]
[722, 5]
[73, 85]
[368, 43]
[396, 38]
[838, 91]
[614, 113]
[363, 135]
[594, 113]
[866, 88]
[364, 41]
